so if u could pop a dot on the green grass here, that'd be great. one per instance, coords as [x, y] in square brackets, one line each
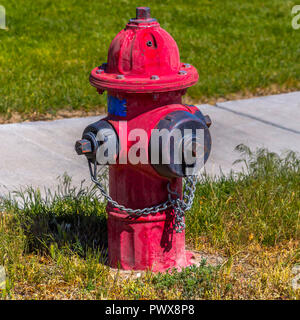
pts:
[50, 47]
[262, 204]
[56, 248]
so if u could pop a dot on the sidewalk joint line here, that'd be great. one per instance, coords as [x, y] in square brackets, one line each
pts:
[258, 119]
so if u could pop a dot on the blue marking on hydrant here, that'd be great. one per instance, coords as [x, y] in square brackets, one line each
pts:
[116, 106]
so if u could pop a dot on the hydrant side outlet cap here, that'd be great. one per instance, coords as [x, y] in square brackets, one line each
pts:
[138, 53]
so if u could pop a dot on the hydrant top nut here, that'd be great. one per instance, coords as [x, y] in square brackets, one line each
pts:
[143, 13]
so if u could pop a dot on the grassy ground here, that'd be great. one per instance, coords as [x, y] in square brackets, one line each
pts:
[49, 48]
[57, 249]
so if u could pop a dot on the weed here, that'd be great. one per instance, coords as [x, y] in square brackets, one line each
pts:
[193, 282]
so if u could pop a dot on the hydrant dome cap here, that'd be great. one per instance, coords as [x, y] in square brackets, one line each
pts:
[143, 57]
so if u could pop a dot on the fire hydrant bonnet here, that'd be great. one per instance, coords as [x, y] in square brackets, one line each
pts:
[143, 58]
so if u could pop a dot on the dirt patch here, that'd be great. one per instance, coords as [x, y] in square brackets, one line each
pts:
[16, 117]
[198, 256]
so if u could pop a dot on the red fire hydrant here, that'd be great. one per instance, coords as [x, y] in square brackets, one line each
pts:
[145, 82]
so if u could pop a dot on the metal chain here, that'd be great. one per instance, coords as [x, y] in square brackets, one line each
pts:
[179, 205]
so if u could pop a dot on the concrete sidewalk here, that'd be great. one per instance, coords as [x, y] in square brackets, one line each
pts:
[37, 153]
[272, 122]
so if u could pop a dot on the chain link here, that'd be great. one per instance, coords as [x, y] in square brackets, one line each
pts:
[179, 205]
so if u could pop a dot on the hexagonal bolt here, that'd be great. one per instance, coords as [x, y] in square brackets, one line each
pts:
[143, 13]
[99, 71]
[83, 146]
[154, 77]
[207, 120]
[120, 76]
[186, 65]
[182, 72]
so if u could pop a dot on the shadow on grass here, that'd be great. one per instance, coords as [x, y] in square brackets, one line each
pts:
[73, 218]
